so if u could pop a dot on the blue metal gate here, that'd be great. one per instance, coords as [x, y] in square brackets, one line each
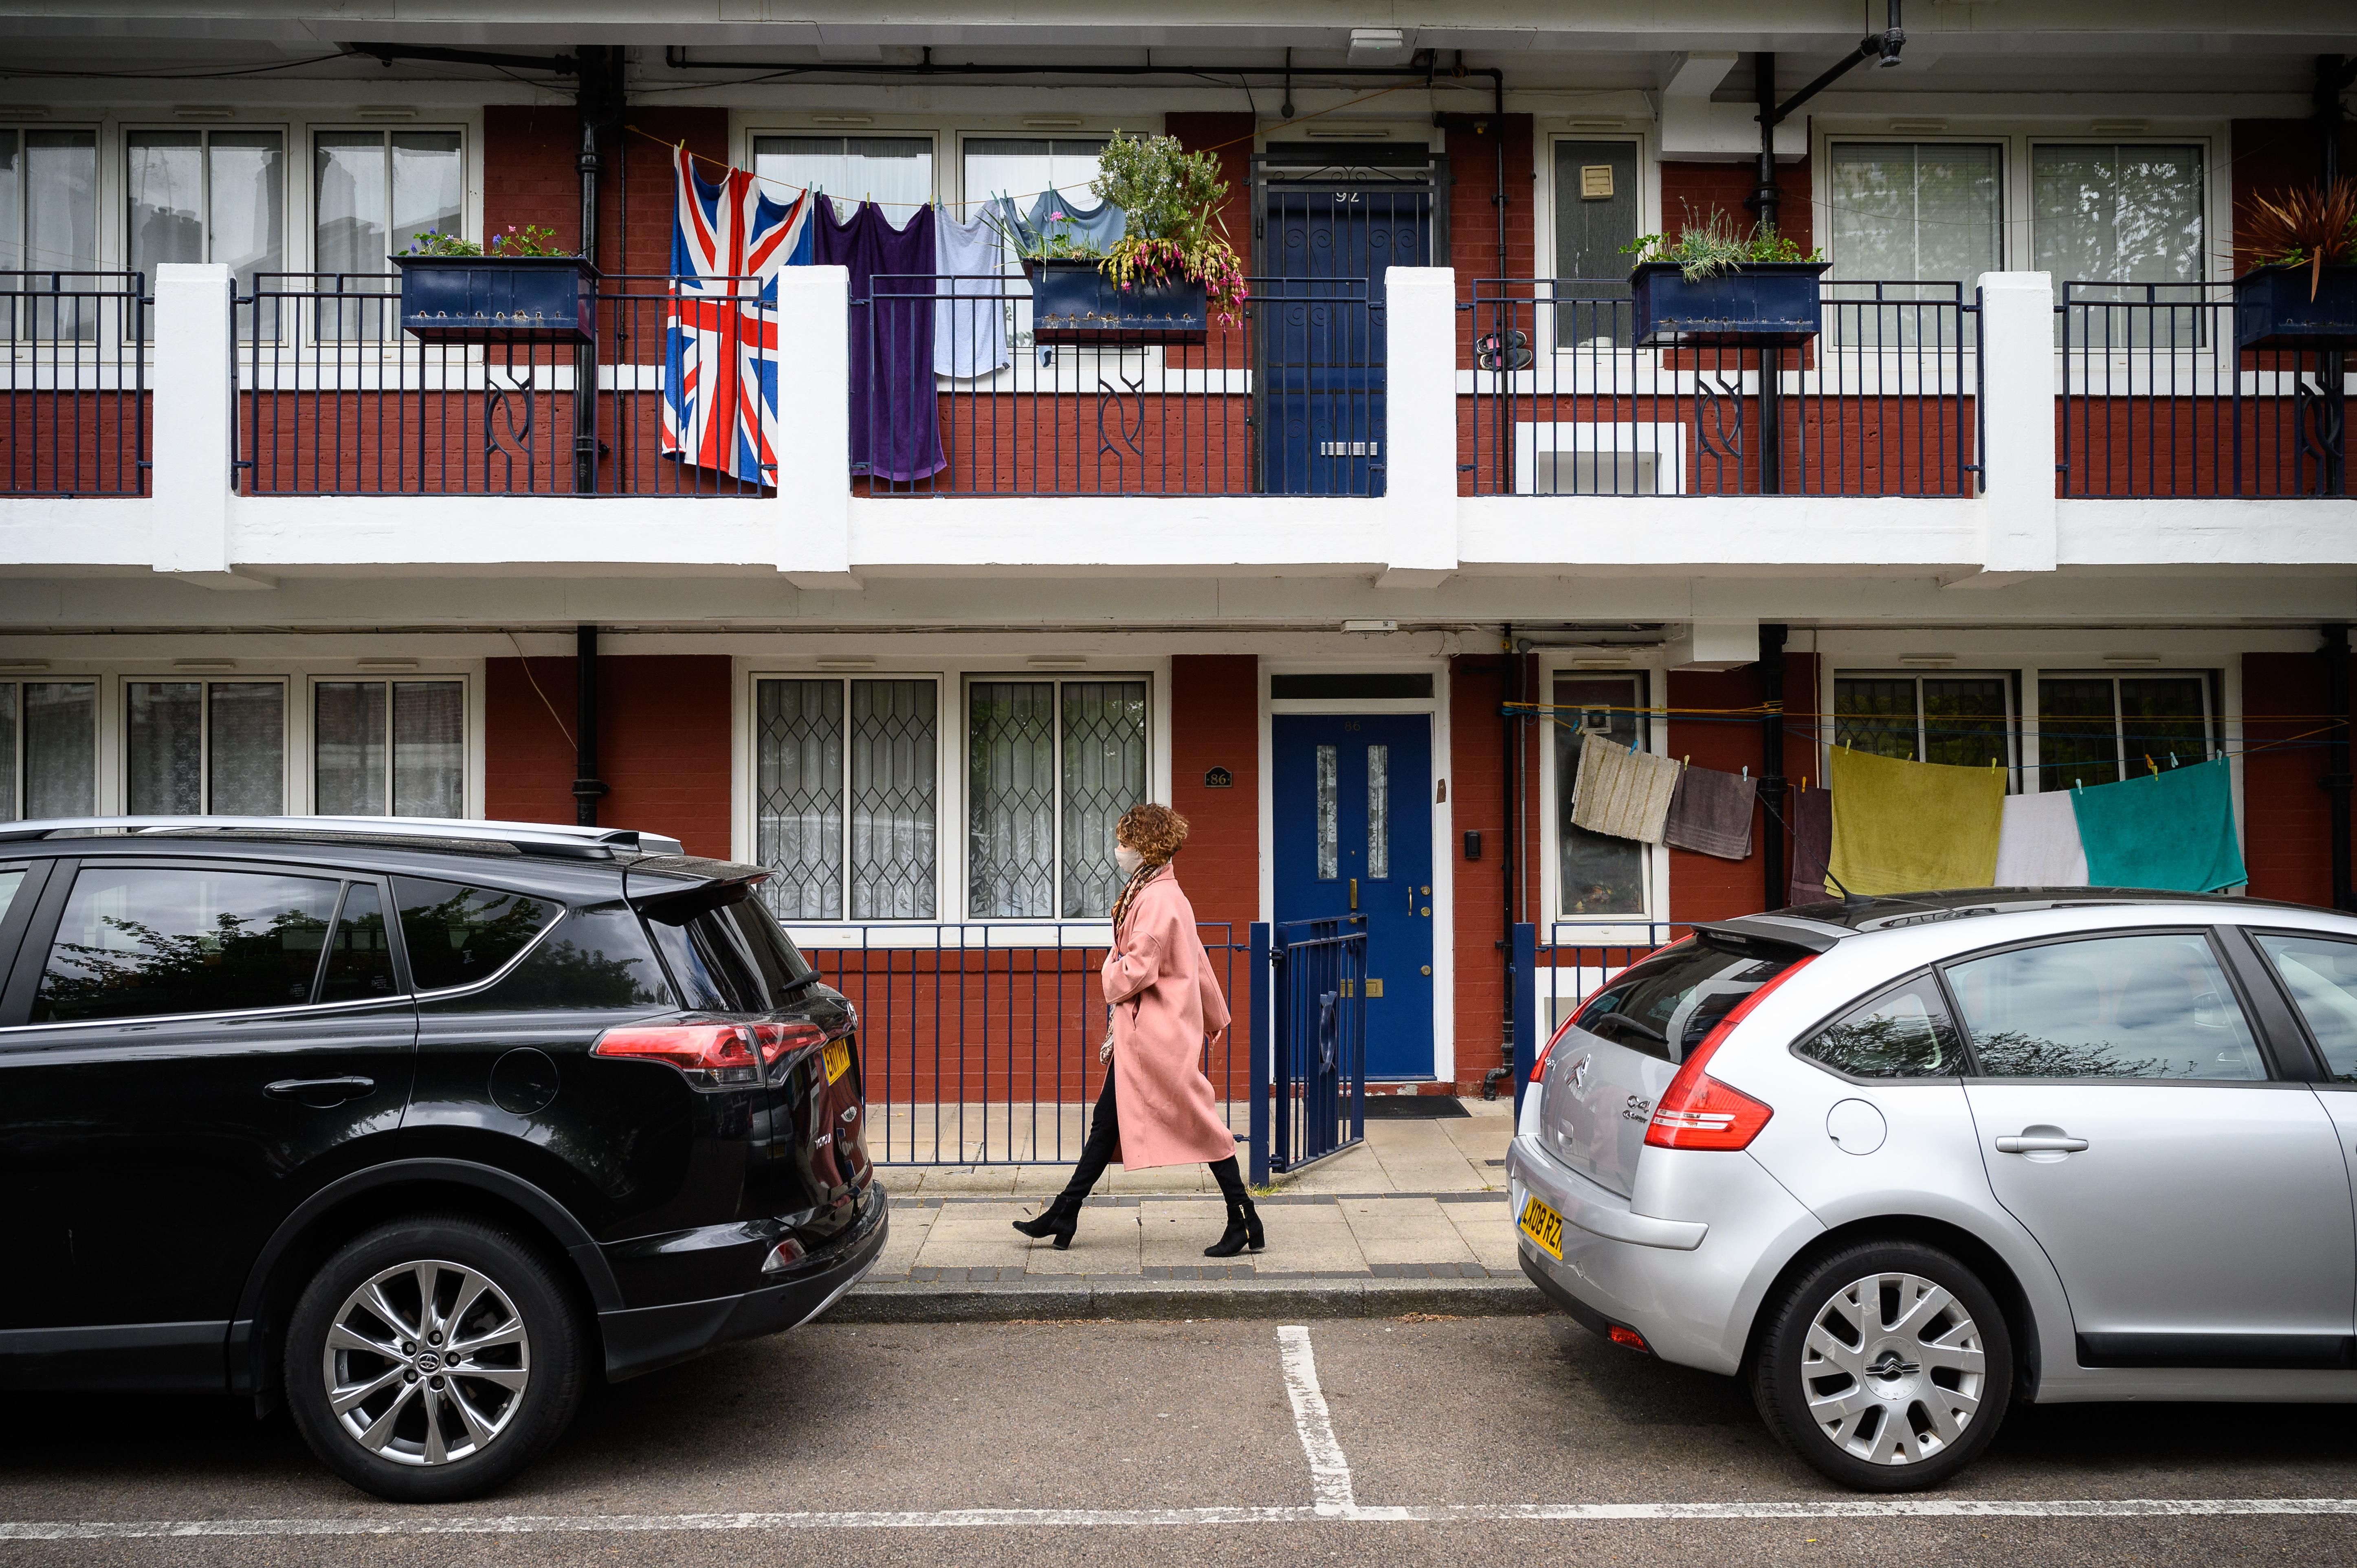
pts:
[1311, 1100]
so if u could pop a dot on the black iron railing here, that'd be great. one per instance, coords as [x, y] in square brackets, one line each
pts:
[1565, 401]
[78, 403]
[978, 1041]
[335, 399]
[1288, 399]
[2157, 401]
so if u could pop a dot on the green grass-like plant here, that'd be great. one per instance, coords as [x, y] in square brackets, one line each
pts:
[1714, 245]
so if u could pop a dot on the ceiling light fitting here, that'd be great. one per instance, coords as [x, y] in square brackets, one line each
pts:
[1371, 625]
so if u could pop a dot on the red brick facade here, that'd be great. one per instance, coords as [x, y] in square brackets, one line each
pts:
[532, 162]
[1692, 191]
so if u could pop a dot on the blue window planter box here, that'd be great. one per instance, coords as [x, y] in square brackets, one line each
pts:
[1761, 305]
[1072, 302]
[2272, 310]
[499, 299]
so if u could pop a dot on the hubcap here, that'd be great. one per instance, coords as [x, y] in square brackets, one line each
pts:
[1893, 1369]
[426, 1363]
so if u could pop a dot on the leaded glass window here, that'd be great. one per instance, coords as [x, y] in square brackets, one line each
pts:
[1959, 721]
[206, 746]
[846, 782]
[1051, 766]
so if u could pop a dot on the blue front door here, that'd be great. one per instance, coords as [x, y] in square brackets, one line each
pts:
[1353, 835]
[1322, 333]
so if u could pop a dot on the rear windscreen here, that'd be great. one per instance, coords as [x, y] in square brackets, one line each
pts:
[1666, 1006]
[733, 958]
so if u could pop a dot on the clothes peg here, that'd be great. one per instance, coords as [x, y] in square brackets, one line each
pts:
[2172, 761]
[1747, 771]
[2150, 766]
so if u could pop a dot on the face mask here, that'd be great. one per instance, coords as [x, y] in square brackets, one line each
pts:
[1128, 859]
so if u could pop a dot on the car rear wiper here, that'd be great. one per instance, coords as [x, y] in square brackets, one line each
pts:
[1644, 1031]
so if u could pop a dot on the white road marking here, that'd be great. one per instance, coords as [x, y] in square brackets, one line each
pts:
[1330, 1472]
[419, 1522]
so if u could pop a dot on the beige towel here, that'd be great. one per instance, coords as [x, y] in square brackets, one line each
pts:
[1622, 793]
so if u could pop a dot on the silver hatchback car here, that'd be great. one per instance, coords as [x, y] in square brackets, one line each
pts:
[1901, 1162]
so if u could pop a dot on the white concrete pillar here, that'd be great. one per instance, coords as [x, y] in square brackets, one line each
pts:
[2016, 501]
[1419, 441]
[814, 449]
[193, 371]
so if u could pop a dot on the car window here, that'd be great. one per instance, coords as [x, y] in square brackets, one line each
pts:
[11, 879]
[143, 943]
[733, 958]
[1664, 1006]
[596, 960]
[458, 936]
[1903, 1032]
[2321, 975]
[359, 954]
[2151, 1006]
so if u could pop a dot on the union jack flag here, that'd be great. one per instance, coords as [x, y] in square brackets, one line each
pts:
[720, 386]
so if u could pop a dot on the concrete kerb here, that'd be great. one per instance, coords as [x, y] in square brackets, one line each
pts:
[1008, 1301]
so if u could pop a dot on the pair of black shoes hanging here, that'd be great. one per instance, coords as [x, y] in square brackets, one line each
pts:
[1059, 1219]
[1244, 1230]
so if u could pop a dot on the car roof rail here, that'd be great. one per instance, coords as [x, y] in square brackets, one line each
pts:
[526, 838]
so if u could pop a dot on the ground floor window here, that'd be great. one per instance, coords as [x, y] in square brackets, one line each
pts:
[193, 746]
[847, 797]
[389, 749]
[49, 740]
[1050, 766]
[1597, 874]
[1960, 721]
[2091, 727]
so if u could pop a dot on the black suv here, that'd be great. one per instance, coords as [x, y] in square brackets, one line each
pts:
[413, 1127]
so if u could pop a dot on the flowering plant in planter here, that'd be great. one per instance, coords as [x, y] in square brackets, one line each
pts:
[532, 240]
[1170, 197]
[1714, 246]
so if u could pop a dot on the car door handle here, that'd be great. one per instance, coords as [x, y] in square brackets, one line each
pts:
[2036, 1142]
[320, 1092]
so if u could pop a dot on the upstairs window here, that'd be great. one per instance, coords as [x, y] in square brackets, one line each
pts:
[207, 196]
[48, 220]
[2122, 215]
[895, 170]
[1911, 212]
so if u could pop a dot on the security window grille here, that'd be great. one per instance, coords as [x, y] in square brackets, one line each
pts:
[895, 170]
[205, 746]
[847, 797]
[1595, 874]
[49, 218]
[207, 196]
[2088, 726]
[48, 742]
[389, 749]
[1958, 721]
[1051, 766]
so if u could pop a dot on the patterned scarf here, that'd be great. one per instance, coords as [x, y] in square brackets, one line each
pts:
[1138, 879]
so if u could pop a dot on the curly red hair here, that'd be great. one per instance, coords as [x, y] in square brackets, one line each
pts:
[1154, 831]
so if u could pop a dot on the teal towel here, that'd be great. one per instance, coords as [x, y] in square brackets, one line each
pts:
[2172, 831]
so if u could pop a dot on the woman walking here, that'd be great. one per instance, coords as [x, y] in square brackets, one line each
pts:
[1162, 1003]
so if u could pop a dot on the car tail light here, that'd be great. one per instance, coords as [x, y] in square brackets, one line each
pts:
[1697, 1111]
[1630, 1340]
[713, 1056]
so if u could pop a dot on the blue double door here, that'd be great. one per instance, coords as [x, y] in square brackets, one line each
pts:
[1352, 829]
[1322, 342]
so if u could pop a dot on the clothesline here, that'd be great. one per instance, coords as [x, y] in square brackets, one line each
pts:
[1256, 132]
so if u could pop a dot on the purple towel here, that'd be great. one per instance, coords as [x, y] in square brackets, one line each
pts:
[1711, 811]
[1810, 813]
[895, 419]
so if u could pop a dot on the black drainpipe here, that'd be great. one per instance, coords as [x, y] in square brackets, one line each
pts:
[1772, 764]
[2336, 779]
[587, 784]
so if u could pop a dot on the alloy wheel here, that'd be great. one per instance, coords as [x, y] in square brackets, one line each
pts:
[426, 1363]
[1893, 1369]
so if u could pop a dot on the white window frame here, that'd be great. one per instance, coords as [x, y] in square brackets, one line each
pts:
[2213, 699]
[1059, 679]
[97, 132]
[2016, 699]
[1651, 673]
[942, 739]
[100, 709]
[289, 133]
[1549, 134]
[469, 134]
[470, 731]
[748, 138]
[204, 681]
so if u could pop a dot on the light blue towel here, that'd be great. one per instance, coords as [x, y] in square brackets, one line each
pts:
[2172, 831]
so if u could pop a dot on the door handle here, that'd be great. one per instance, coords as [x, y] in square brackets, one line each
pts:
[2034, 1141]
[320, 1092]
[1354, 895]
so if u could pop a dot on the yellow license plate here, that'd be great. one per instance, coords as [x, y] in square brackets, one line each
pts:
[837, 1056]
[1545, 1226]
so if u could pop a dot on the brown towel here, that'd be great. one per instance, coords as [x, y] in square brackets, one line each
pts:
[1810, 813]
[1711, 811]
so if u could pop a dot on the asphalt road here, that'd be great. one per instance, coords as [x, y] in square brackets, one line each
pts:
[1441, 1441]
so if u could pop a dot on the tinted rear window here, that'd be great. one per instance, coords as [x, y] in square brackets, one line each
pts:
[138, 942]
[457, 935]
[597, 959]
[732, 959]
[1664, 1006]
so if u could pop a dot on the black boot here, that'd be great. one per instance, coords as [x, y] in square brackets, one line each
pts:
[1244, 1230]
[1059, 1219]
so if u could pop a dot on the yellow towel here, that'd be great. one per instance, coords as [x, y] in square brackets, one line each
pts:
[1913, 827]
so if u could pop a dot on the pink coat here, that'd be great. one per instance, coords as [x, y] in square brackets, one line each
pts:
[1158, 979]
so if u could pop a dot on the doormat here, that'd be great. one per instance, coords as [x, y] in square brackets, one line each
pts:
[1414, 1106]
